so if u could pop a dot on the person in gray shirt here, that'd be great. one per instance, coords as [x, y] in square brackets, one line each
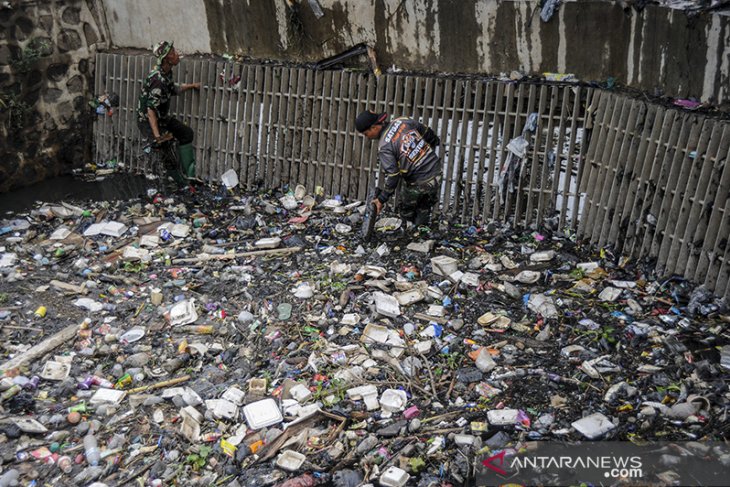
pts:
[407, 152]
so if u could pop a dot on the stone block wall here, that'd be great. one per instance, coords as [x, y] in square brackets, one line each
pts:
[46, 80]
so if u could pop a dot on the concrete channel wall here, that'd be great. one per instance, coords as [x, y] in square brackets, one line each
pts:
[654, 49]
[46, 65]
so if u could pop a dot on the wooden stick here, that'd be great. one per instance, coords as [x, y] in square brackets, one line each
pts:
[430, 376]
[254, 253]
[435, 319]
[451, 387]
[42, 348]
[158, 385]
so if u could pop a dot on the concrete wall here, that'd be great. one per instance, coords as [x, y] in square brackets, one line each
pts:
[657, 49]
[46, 76]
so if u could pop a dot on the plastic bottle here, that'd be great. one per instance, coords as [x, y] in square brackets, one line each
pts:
[484, 361]
[91, 449]
[15, 389]
[9, 478]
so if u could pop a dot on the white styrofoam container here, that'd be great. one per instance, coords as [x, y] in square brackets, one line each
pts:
[394, 477]
[443, 265]
[502, 417]
[386, 305]
[222, 408]
[234, 395]
[300, 393]
[290, 460]
[183, 313]
[261, 414]
[107, 396]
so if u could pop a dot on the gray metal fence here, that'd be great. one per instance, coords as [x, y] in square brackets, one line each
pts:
[657, 185]
[641, 178]
[288, 125]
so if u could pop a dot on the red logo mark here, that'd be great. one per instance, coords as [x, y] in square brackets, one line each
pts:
[499, 456]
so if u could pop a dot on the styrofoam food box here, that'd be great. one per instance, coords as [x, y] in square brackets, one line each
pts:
[261, 414]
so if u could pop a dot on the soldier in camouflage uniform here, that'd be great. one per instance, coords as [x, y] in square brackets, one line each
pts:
[153, 118]
[407, 152]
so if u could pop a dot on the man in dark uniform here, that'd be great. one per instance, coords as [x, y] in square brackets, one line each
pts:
[153, 118]
[407, 152]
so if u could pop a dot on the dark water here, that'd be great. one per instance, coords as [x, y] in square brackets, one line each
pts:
[70, 189]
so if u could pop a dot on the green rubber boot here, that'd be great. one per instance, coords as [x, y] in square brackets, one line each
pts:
[187, 160]
[172, 170]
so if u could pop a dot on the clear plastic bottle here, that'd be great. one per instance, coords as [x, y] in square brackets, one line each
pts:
[91, 448]
[9, 478]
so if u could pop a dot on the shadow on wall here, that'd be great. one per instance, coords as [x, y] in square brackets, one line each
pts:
[45, 80]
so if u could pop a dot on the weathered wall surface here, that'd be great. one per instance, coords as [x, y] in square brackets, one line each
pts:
[45, 83]
[657, 49]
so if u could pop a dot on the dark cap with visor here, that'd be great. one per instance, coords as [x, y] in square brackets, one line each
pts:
[367, 119]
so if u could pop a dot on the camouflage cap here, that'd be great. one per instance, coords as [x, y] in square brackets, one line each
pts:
[161, 50]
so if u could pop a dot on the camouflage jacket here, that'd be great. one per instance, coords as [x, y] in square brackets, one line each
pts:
[157, 90]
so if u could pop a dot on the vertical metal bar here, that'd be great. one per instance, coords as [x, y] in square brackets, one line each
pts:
[407, 97]
[481, 129]
[257, 120]
[361, 147]
[645, 161]
[98, 66]
[703, 242]
[221, 123]
[667, 177]
[454, 95]
[281, 125]
[617, 168]
[288, 131]
[523, 191]
[470, 190]
[273, 93]
[604, 145]
[337, 125]
[718, 231]
[674, 191]
[549, 147]
[581, 157]
[349, 112]
[302, 126]
[325, 155]
[263, 173]
[551, 205]
[637, 143]
[570, 160]
[504, 140]
[228, 113]
[698, 188]
[719, 273]
[517, 126]
[653, 183]
[490, 209]
[246, 107]
[308, 123]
